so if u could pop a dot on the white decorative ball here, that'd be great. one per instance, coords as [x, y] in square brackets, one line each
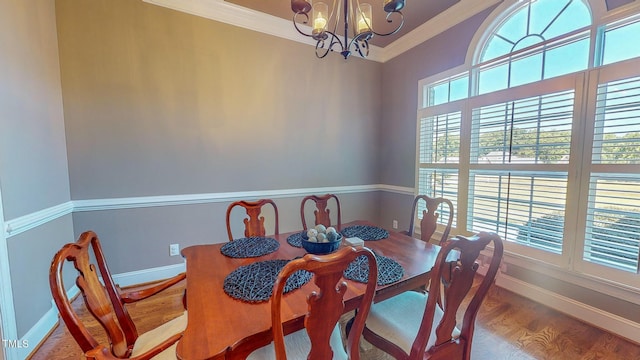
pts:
[321, 237]
[312, 233]
[331, 229]
[321, 228]
[313, 239]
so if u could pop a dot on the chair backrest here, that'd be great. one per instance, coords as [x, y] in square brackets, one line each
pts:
[429, 222]
[254, 223]
[461, 276]
[322, 213]
[325, 306]
[102, 301]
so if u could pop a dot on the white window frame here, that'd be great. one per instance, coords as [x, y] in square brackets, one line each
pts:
[568, 265]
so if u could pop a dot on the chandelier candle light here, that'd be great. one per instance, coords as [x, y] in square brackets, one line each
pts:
[324, 24]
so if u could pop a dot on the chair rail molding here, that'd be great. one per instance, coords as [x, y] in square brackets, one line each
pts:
[222, 11]
[169, 200]
[27, 222]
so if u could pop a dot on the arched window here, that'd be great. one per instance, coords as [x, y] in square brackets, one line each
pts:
[538, 138]
[538, 40]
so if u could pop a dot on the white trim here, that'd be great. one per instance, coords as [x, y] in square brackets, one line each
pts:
[236, 15]
[27, 222]
[604, 286]
[454, 15]
[148, 275]
[187, 199]
[403, 190]
[7, 310]
[603, 320]
[43, 327]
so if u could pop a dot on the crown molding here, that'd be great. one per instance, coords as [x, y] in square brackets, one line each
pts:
[222, 11]
[454, 15]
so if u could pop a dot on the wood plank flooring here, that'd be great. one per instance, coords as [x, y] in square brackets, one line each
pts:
[508, 327]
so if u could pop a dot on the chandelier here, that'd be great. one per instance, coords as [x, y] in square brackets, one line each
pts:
[355, 15]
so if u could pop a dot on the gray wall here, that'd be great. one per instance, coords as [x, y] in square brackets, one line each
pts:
[136, 239]
[33, 161]
[159, 102]
[398, 129]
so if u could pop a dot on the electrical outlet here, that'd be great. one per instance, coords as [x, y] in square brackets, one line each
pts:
[174, 249]
[395, 224]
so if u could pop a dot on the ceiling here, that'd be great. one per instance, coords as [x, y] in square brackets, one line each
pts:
[416, 13]
[424, 19]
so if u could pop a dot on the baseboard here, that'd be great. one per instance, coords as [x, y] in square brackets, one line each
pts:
[42, 328]
[148, 275]
[47, 323]
[600, 319]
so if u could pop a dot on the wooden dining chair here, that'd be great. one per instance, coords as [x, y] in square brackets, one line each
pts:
[430, 215]
[321, 212]
[321, 337]
[414, 325]
[254, 222]
[106, 302]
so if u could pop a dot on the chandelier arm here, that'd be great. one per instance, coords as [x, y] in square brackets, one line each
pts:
[359, 42]
[306, 21]
[320, 46]
[390, 21]
[327, 40]
[360, 46]
[333, 41]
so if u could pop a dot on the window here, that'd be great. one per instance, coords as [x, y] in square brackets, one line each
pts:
[613, 219]
[439, 148]
[540, 40]
[539, 139]
[512, 190]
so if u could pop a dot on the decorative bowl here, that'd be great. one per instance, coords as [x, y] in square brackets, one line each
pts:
[320, 248]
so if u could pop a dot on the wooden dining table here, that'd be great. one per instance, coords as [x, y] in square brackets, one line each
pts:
[221, 327]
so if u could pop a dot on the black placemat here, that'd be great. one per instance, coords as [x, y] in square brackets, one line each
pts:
[295, 240]
[365, 232]
[250, 247]
[389, 270]
[254, 282]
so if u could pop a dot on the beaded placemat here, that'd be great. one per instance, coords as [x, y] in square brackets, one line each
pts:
[365, 232]
[254, 282]
[389, 270]
[295, 240]
[250, 247]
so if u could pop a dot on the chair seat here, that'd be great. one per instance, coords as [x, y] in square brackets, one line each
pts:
[398, 319]
[298, 346]
[150, 339]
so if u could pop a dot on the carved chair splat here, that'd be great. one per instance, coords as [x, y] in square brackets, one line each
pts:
[254, 222]
[322, 213]
[106, 302]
